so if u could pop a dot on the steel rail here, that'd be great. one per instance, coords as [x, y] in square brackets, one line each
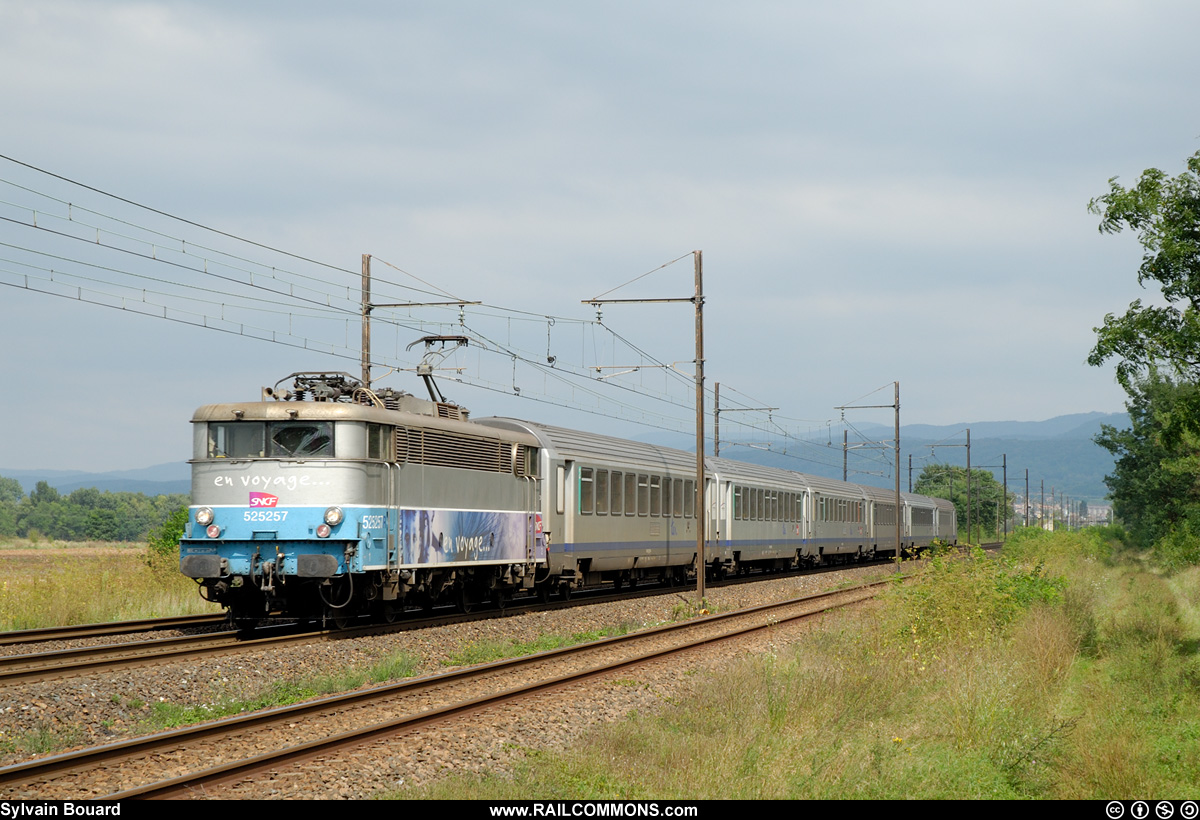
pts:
[62, 633]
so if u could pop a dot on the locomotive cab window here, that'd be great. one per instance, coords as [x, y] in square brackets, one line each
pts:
[237, 440]
[276, 439]
[300, 439]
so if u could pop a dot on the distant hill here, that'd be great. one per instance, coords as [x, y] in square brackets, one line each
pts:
[1059, 451]
[162, 479]
[1076, 425]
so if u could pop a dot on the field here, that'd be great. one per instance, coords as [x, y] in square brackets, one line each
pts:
[1067, 668]
[49, 583]
[1062, 671]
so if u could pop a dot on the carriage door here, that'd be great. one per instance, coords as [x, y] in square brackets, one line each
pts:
[710, 512]
[564, 499]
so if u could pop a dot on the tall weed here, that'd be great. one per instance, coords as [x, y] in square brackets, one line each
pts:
[59, 587]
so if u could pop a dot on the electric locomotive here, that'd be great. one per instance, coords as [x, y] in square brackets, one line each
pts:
[331, 500]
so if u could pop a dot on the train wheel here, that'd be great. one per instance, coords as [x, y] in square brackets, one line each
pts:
[564, 590]
[543, 593]
[463, 601]
[246, 623]
[342, 618]
[390, 612]
[499, 600]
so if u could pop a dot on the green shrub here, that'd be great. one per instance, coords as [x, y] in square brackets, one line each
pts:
[971, 597]
[1179, 548]
[163, 543]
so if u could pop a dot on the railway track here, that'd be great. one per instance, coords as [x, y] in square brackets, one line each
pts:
[31, 667]
[175, 764]
[67, 633]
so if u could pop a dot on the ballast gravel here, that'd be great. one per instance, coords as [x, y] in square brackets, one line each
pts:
[91, 710]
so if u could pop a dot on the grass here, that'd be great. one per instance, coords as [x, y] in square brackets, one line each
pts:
[162, 715]
[54, 584]
[1059, 671]
[488, 651]
[167, 715]
[43, 739]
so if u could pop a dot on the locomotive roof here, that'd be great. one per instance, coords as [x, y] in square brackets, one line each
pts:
[346, 411]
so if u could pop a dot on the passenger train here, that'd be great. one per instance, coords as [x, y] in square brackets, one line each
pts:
[331, 501]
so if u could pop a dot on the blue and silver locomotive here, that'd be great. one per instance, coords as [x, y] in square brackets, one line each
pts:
[331, 500]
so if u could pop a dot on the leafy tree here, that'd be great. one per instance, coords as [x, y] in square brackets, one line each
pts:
[950, 482]
[43, 493]
[1165, 213]
[10, 490]
[1154, 483]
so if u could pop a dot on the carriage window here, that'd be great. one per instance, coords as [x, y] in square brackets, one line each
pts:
[689, 499]
[615, 507]
[585, 491]
[677, 505]
[655, 496]
[666, 498]
[602, 492]
[631, 494]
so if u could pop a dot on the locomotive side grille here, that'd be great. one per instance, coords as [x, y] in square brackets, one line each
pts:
[441, 449]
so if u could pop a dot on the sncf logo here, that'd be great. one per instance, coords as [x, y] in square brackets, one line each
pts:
[263, 500]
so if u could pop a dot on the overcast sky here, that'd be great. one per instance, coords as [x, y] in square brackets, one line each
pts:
[881, 191]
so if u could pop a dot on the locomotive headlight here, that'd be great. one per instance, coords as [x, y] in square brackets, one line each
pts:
[323, 531]
[334, 516]
[214, 531]
[204, 516]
